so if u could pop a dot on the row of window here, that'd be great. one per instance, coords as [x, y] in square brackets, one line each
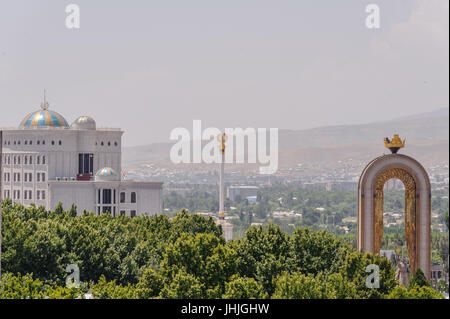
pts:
[108, 196]
[132, 213]
[132, 197]
[108, 143]
[27, 194]
[30, 142]
[38, 142]
[27, 159]
[112, 210]
[28, 177]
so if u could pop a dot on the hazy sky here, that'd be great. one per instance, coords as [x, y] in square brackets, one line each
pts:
[151, 66]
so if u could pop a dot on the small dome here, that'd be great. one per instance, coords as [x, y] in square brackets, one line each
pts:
[106, 174]
[44, 118]
[106, 171]
[84, 123]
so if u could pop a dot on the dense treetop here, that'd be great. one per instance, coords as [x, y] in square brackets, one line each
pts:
[182, 257]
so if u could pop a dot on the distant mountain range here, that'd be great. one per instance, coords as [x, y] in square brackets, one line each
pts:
[417, 129]
[443, 111]
[427, 139]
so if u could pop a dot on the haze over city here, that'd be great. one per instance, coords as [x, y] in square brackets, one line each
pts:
[150, 66]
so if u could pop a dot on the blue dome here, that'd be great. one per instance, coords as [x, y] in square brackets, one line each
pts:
[44, 118]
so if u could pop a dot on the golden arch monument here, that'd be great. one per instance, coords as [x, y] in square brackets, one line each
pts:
[417, 204]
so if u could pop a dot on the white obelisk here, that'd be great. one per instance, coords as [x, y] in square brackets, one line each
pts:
[227, 228]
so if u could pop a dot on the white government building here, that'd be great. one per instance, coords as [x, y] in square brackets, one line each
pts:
[46, 161]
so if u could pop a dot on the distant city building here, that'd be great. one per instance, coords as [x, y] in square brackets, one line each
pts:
[252, 199]
[242, 192]
[256, 224]
[46, 161]
[393, 184]
[283, 214]
[177, 191]
[315, 185]
[437, 274]
[341, 186]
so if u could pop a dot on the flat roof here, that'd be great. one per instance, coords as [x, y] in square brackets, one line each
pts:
[49, 128]
[93, 182]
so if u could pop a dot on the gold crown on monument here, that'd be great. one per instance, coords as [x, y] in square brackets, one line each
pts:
[395, 144]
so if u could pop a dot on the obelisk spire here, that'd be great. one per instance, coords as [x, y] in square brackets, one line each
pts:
[222, 138]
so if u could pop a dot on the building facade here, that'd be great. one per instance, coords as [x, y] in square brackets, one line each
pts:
[235, 192]
[47, 161]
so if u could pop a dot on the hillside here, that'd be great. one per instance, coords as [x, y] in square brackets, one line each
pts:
[426, 139]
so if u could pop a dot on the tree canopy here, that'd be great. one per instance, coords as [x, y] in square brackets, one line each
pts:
[182, 257]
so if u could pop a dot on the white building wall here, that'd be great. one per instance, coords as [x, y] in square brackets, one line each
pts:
[149, 201]
[82, 194]
[148, 198]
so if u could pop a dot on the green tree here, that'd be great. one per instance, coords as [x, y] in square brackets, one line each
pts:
[183, 286]
[343, 289]
[194, 224]
[104, 289]
[263, 254]
[446, 219]
[301, 286]
[25, 287]
[57, 292]
[205, 257]
[21, 287]
[418, 279]
[149, 285]
[309, 286]
[417, 292]
[315, 252]
[354, 270]
[243, 288]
